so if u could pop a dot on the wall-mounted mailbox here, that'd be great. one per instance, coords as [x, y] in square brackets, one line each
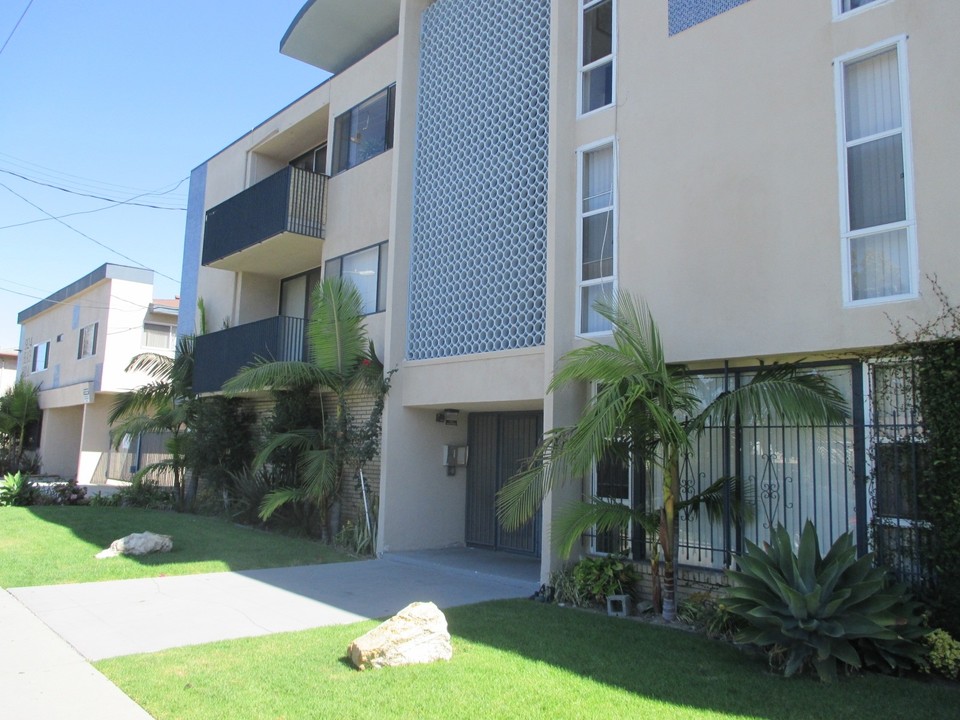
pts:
[454, 455]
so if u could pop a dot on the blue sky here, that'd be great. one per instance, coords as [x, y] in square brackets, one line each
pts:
[116, 98]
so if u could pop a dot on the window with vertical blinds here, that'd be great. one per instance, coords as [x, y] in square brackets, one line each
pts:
[878, 231]
[597, 243]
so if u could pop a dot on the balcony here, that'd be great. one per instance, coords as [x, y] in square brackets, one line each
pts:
[273, 228]
[218, 356]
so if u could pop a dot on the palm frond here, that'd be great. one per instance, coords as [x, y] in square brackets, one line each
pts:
[335, 333]
[790, 393]
[579, 518]
[153, 364]
[296, 440]
[276, 375]
[276, 499]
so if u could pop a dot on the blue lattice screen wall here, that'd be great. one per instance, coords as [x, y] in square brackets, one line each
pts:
[478, 256]
[687, 13]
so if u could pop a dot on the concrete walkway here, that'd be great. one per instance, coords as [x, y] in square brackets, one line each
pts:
[47, 634]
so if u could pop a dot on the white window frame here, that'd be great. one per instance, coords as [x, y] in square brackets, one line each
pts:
[87, 346]
[581, 284]
[582, 69]
[171, 334]
[898, 43]
[840, 14]
[46, 357]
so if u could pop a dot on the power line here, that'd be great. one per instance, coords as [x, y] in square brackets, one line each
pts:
[65, 302]
[101, 197]
[76, 181]
[15, 27]
[83, 234]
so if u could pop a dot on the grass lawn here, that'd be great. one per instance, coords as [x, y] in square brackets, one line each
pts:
[512, 659]
[49, 545]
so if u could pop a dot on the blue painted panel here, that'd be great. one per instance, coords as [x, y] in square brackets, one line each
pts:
[685, 14]
[478, 256]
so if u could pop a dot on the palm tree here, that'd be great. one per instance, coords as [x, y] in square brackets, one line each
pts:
[646, 408]
[165, 405]
[19, 409]
[341, 360]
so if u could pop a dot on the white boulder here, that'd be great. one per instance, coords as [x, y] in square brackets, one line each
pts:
[138, 544]
[415, 635]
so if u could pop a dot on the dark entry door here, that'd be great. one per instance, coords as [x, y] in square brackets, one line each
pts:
[499, 444]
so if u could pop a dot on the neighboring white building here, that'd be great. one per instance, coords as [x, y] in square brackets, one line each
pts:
[8, 368]
[775, 178]
[76, 345]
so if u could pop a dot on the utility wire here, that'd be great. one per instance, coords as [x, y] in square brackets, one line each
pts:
[15, 27]
[101, 197]
[64, 178]
[65, 302]
[83, 234]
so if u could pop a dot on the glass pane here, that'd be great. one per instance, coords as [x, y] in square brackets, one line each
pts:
[597, 87]
[590, 320]
[876, 186]
[293, 297]
[597, 246]
[382, 290]
[849, 5]
[613, 477]
[872, 95]
[369, 128]
[597, 32]
[361, 269]
[598, 179]
[879, 265]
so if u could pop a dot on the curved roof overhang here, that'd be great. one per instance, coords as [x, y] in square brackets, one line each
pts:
[334, 34]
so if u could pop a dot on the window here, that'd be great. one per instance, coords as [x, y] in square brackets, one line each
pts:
[295, 294]
[878, 229]
[314, 161]
[88, 341]
[366, 269]
[613, 482]
[41, 357]
[159, 336]
[363, 131]
[844, 6]
[597, 247]
[597, 48]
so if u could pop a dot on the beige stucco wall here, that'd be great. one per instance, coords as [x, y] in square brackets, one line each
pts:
[729, 220]
[60, 440]
[95, 437]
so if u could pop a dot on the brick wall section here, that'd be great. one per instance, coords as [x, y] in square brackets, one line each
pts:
[351, 504]
[690, 580]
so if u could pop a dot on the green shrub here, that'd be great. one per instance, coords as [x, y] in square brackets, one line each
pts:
[145, 493]
[598, 578]
[563, 589]
[69, 493]
[943, 654]
[18, 490]
[710, 615]
[813, 610]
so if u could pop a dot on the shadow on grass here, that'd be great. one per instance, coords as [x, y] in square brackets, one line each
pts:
[685, 669]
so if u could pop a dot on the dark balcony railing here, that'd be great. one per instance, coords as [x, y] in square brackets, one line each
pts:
[291, 200]
[218, 356]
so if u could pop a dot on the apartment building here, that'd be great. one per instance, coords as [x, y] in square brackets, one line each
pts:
[772, 177]
[75, 345]
[9, 357]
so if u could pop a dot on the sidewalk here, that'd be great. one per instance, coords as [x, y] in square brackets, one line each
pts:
[47, 634]
[43, 678]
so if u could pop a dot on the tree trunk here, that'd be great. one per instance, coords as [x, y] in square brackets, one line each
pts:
[668, 533]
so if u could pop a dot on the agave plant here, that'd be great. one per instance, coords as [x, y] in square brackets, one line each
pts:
[823, 610]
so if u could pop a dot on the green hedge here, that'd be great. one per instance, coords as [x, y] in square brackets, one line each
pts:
[939, 386]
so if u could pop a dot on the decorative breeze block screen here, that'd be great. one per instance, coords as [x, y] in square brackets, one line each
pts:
[685, 14]
[478, 256]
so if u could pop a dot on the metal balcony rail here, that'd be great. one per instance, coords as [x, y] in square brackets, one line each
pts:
[291, 200]
[218, 356]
